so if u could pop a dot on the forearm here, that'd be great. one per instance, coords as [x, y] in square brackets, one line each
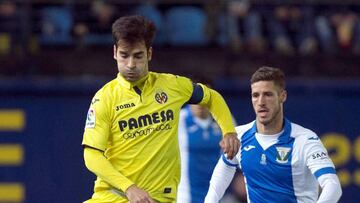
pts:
[331, 188]
[220, 111]
[96, 162]
[220, 181]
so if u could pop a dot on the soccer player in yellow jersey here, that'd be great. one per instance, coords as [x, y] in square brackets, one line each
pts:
[130, 139]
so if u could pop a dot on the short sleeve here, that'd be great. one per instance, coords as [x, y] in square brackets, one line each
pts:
[317, 158]
[97, 125]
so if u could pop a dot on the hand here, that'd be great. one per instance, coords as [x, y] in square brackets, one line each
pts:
[137, 195]
[230, 144]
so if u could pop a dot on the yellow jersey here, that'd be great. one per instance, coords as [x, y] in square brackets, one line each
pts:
[138, 131]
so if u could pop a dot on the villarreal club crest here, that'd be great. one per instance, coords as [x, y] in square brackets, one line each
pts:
[161, 97]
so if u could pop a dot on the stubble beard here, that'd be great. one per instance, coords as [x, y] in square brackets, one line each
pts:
[272, 119]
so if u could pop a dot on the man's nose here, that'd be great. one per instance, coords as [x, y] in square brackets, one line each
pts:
[261, 100]
[131, 63]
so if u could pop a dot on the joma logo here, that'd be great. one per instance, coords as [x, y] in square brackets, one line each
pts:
[124, 106]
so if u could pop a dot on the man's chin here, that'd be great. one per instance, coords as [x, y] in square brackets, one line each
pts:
[131, 79]
[263, 121]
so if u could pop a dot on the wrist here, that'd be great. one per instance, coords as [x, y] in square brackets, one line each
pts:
[230, 134]
[128, 189]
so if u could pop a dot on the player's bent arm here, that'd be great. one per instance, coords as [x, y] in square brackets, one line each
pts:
[96, 162]
[323, 169]
[221, 113]
[219, 109]
[331, 188]
[220, 181]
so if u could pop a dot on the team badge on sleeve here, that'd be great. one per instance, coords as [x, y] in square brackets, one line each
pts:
[90, 119]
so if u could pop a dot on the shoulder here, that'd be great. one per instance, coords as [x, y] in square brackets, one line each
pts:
[184, 112]
[171, 81]
[169, 77]
[162, 76]
[241, 129]
[301, 133]
[107, 88]
[102, 96]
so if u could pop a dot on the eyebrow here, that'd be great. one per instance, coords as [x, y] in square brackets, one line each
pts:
[136, 53]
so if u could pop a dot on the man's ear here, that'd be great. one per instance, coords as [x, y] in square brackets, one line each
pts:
[115, 49]
[149, 53]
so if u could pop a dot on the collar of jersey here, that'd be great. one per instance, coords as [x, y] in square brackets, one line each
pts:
[284, 137]
[130, 85]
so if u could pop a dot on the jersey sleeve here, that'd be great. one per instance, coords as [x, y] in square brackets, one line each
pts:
[97, 126]
[235, 162]
[182, 132]
[330, 188]
[184, 184]
[218, 108]
[205, 96]
[231, 162]
[186, 87]
[317, 158]
[220, 181]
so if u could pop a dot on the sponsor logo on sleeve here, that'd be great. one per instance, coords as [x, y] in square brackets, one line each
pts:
[319, 155]
[90, 119]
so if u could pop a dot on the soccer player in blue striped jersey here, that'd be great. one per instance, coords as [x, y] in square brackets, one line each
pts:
[280, 160]
[199, 136]
[130, 139]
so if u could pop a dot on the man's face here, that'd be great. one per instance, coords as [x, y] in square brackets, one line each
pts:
[200, 111]
[132, 60]
[267, 100]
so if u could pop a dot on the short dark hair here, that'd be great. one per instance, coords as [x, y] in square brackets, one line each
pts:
[133, 29]
[266, 73]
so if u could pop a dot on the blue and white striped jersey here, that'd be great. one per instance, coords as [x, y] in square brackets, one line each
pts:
[199, 148]
[284, 170]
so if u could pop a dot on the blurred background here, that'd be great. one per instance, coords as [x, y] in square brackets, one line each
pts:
[55, 54]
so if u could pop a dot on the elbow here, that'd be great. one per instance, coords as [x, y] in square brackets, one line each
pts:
[340, 191]
[87, 160]
[90, 159]
[331, 188]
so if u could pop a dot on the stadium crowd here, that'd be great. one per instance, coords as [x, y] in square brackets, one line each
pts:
[237, 27]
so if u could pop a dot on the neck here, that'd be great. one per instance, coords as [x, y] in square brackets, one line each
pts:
[203, 117]
[140, 83]
[275, 126]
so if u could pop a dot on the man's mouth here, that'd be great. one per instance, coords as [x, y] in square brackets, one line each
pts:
[263, 110]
